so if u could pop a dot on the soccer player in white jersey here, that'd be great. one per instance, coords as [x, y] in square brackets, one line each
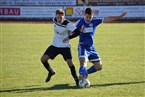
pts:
[86, 49]
[62, 27]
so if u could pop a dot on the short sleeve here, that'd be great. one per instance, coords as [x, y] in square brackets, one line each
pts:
[71, 27]
[78, 24]
[98, 21]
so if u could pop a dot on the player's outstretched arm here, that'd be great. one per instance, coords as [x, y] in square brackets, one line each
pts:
[113, 18]
[76, 33]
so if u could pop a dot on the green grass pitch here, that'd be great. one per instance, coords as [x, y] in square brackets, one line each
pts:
[121, 47]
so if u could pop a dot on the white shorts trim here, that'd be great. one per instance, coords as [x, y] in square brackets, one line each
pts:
[95, 60]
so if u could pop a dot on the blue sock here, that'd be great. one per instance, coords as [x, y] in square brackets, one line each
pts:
[82, 71]
[91, 70]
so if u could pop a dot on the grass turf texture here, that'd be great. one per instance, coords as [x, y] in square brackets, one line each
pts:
[121, 47]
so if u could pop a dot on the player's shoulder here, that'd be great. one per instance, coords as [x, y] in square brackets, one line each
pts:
[80, 21]
[63, 24]
[66, 22]
[97, 18]
[54, 20]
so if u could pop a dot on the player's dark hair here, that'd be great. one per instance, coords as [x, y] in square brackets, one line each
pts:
[60, 12]
[88, 11]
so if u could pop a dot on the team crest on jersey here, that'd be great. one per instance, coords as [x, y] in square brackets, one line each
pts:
[90, 24]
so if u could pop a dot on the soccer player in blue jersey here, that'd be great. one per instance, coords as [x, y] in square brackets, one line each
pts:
[86, 49]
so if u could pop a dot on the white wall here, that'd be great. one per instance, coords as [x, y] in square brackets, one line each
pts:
[77, 11]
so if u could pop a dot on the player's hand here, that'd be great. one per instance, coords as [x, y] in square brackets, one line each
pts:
[124, 14]
[66, 39]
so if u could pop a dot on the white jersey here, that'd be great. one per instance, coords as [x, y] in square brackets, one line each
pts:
[61, 31]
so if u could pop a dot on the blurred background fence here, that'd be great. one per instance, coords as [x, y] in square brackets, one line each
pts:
[74, 9]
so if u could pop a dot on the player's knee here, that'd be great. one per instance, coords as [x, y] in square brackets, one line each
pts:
[99, 67]
[83, 61]
[43, 59]
[69, 62]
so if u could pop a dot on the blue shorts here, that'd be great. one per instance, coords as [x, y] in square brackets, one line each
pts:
[88, 52]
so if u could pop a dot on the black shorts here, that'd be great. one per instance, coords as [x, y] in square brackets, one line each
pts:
[53, 51]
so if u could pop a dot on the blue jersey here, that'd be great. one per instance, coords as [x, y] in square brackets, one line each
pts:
[87, 36]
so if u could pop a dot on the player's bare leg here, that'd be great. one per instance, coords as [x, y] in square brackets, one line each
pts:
[98, 65]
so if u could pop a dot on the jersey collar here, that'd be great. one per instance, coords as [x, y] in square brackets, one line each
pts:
[86, 21]
[58, 22]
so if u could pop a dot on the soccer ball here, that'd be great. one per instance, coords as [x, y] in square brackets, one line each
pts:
[84, 83]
